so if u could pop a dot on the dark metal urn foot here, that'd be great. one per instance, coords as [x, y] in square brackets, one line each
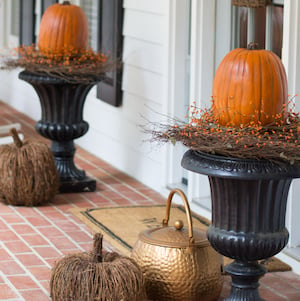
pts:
[62, 105]
[249, 200]
[72, 179]
[245, 280]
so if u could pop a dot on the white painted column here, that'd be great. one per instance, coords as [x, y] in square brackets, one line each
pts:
[269, 28]
[291, 60]
[3, 28]
[225, 31]
[175, 76]
[202, 74]
[251, 25]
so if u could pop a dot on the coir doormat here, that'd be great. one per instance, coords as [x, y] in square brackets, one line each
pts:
[122, 225]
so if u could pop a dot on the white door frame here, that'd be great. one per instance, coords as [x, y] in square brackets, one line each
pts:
[202, 74]
[3, 20]
[177, 44]
[201, 77]
[291, 60]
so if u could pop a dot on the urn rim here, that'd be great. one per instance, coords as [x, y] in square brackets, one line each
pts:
[230, 167]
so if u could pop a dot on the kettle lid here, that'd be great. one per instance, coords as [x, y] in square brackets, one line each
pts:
[174, 237]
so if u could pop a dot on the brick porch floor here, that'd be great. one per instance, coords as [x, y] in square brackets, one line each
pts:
[32, 239]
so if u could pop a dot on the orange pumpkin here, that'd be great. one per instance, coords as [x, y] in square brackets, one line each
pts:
[63, 28]
[249, 85]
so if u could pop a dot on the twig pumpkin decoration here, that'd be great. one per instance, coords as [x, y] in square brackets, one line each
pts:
[98, 275]
[250, 85]
[63, 29]
[28, 175]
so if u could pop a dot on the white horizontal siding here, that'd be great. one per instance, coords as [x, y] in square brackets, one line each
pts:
[122, 125]
[143, 83]
[19, 94]
[144, 26]
[143, 54]
[138, 110]
[153, 6]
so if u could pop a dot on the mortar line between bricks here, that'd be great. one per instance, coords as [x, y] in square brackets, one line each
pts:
[274, 291]
[27, 272]
[33, 250]
[86, 199]
[83, 227]
[63, 233]
[291, 284]
[68, 219]
[121, 195]
[111, 186]
[115, 178]
[84, 159]
[7, 282]
[29, 245]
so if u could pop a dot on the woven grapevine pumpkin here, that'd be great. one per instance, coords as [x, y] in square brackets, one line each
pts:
[97, 275]
[63, 29]
[28, 175]
[250, 85]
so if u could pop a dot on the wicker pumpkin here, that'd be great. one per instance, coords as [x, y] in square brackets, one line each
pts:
[250, 85]
[28, 175]
[97, 275]
[63, 29]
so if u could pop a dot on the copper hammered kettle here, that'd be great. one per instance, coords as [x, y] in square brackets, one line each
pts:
[178, 263]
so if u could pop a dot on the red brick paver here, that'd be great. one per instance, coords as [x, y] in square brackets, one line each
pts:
[33, 239]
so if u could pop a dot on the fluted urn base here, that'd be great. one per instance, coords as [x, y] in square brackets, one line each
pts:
[245, 280]
[72, 179]
[249, 200]
[62, 105]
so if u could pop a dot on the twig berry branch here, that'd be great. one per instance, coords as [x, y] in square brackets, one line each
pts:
[278, 142]
[73, 66]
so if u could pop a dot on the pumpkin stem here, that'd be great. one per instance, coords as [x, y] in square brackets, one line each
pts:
[97, 248]
[253, 46]
[17, 141]
[66, 3]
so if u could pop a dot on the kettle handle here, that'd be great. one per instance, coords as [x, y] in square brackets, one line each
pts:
[187, 209]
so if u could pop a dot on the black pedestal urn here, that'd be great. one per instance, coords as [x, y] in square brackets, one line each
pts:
[62, 121]
[249, 200]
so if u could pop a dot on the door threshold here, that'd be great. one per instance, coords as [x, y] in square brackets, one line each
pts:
[291, 256]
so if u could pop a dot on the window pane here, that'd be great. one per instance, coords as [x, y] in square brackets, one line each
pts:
[260, 25]
[15, 20]
[91, 10]
[277, 24]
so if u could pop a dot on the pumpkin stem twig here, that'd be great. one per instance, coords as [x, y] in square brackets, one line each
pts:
[18, 142]
[66, 3]
[97, 248]
[253, 46]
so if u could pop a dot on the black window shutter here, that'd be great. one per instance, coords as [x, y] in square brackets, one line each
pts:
[27, 22]
[111, 40]
[46, 4]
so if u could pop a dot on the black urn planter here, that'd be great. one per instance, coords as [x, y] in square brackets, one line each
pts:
[62, 121]
[249, 200]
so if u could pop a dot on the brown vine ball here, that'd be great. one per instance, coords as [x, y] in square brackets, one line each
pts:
[97, 275]
[28, 174]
